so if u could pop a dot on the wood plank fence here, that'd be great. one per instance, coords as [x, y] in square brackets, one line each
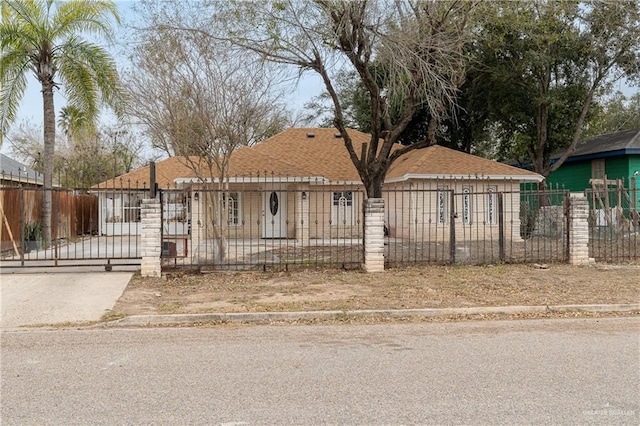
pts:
[73, 214]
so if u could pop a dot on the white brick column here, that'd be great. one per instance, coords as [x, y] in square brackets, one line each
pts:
[374, 235]
[578, 230]
[151, 220]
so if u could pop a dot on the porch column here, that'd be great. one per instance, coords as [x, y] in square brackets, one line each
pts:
[578, 230]
[302, 214]
[374, 235]
[151, 237]
[197, 219]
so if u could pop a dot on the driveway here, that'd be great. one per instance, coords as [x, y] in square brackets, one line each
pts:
[49, 298]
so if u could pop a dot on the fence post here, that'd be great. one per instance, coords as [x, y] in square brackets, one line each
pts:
[452, 226]
[578, 230]
[21, 226]
[634, 197]
[374, 235]
[151, 221]
[501, 242]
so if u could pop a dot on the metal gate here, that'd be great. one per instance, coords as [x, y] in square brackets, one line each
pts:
[88, 227]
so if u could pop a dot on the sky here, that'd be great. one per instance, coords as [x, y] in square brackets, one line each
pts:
[31, 106]
[30, 110]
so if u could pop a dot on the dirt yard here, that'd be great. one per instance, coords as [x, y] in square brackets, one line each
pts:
[411, 287]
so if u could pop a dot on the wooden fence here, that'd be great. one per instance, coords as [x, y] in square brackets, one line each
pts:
[73, 214]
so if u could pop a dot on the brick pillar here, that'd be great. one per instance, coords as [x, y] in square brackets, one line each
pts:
[374, 235]
[578, 230]
[151, 220]
[302, 214]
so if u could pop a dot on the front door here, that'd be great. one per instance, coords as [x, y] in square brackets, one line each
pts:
[274, 207]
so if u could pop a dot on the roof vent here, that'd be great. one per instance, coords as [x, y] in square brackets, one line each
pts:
[337, 135]
[311, 135]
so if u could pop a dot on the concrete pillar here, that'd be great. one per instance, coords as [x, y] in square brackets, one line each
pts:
[151, 238]
[374, 235]
[578, 230]
[302, 197]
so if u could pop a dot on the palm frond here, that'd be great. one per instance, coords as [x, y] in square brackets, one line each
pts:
[13, 82]
[85, 16]
[86, 64]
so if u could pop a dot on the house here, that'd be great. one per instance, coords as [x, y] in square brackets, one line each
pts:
[608, 163]
[14, 174]
[301, 184]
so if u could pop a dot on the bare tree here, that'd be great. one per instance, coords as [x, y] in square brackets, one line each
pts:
[84, 157]
[416, 44]
[201, 102]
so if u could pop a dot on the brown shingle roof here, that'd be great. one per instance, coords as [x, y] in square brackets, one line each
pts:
[440, 161]
[293, 153]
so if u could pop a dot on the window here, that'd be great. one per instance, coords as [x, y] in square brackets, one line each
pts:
[443, 204]
[598, 168]
[492, 205]
[467, 201]
[233, 209]
[174, 207]
[342, 208]
[122, 208]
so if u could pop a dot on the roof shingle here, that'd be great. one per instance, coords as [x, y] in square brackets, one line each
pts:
[295, 153]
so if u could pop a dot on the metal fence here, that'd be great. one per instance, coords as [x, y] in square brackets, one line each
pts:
[271, 221]
[263, 222]
[474, 221]
[614, 220]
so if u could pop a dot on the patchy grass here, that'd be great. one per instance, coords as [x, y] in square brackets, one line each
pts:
[112, 315]
[399, 288]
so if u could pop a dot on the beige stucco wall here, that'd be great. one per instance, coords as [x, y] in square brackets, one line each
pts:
[323, 222]
[412, 209]
[305, 218]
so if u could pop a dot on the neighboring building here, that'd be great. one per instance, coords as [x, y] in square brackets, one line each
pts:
[302, 184]
[605, 164]
[14, 174]
[614, 155]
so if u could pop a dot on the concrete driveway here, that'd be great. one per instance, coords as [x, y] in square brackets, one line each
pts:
[49, 298]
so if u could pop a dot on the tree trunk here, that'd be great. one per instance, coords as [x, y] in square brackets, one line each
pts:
[373, 185]
[49, 120]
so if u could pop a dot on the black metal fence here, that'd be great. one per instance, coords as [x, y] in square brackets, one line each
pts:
[474, 221]
[614, 220]
[267, 221]
[263, 222]
[278, 222]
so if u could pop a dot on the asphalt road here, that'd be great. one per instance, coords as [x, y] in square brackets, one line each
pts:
[512, 372]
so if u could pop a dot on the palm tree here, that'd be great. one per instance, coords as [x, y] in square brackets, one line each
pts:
[73, 122]
[44, 37]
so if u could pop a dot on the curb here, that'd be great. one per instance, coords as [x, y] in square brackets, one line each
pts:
[251, 317]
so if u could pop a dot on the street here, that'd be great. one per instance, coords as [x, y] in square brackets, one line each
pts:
[566, 371]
